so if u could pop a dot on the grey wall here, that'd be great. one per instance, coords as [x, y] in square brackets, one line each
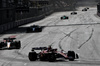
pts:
[27, 18]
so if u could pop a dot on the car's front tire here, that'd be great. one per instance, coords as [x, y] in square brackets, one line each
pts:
[32, 56]
[77, 56]
[71, 55]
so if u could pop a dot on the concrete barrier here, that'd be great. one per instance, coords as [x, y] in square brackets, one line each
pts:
[1, 29]
[48, 13]
[15, 24]
[4, 28]
[10, 25]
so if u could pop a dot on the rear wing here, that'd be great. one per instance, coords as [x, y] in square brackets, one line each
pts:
[9, 38]
[39, 48]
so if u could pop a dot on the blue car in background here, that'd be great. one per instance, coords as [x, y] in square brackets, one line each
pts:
[34, 28]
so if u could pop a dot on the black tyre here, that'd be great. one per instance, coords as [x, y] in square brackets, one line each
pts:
[61, 18]
[77, 56]
[87, 8]
[1, 44]
[51, 57]
[71, 13]
[71, 55]
[18, 44]
[32, 56]
[39, 30]
[28, 30]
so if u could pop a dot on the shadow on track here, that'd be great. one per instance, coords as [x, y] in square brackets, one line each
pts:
[20, 30]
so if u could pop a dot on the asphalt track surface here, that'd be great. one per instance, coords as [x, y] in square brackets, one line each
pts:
[80, 33]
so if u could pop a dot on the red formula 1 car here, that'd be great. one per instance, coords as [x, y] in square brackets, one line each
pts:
[10, 43]
[50, 55]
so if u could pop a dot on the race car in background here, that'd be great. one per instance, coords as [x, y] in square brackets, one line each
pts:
[73, 13]
[85, 9]
[51, 55]
[10, 43]
[64, 17]
[34, 28]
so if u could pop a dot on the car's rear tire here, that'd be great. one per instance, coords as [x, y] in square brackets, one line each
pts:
[18, 45]
[87, 8]
[71, 55]
[61, 18]
[28, 30]
[32, 56]
[1, 44]
[40, 30]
